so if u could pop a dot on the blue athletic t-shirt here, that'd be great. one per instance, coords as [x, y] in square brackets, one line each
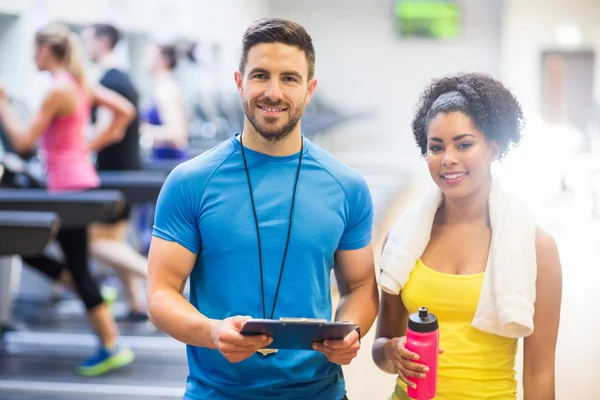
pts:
[205, 206]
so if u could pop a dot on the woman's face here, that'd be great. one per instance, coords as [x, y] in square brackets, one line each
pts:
[41, 53]
[458, 155]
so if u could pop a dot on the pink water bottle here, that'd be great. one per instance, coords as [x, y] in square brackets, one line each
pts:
[423, 338]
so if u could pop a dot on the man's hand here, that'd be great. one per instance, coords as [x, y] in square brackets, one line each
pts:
[234, 346]
[340, 352]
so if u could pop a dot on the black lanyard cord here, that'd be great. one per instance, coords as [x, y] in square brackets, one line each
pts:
[289, 232]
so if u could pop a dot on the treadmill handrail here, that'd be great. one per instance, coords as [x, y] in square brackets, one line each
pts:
[92, 205]
[43, 195]
[26, 233]
[133, 178]
[137, 186]
[29, 219]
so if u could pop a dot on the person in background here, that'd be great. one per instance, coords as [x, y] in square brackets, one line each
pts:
[165, 118]
[59, 124]
[116, 152]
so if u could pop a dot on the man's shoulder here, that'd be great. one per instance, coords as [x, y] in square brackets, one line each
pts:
[115, 77]
[116, 73]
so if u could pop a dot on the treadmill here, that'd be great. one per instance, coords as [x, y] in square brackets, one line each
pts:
[39, 363]
[22, 233]
[37, 207]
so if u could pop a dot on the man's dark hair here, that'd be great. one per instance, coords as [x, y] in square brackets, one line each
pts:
[491, 106]
[109, 32]
[276, 30]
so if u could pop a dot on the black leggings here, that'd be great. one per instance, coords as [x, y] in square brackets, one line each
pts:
[74, 245]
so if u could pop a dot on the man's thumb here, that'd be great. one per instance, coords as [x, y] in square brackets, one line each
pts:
[239, 321]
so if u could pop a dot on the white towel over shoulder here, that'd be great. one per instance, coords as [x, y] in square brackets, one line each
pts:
[506, 303]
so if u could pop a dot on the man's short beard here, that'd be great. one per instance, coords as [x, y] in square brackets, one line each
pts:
[273, 135]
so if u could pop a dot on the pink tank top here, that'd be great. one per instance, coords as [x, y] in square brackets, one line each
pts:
[68, 162]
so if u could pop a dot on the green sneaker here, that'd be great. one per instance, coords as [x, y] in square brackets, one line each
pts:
[105, 361]
[109, 294]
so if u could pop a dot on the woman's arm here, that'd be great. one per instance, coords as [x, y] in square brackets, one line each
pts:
[24, 135]
[391, 325]
[540, 346]
[123, 113]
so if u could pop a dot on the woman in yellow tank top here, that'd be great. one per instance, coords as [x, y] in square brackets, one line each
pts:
[463, 124]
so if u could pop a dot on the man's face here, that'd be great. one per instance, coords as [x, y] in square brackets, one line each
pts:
[275, 88]
[92, 45]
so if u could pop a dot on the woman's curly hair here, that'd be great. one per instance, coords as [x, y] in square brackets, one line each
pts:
[491, 107]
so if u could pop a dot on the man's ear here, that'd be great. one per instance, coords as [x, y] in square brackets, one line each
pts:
[239, 81]
[310, 90]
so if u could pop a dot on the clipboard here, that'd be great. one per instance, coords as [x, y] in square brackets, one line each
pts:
[298, 333]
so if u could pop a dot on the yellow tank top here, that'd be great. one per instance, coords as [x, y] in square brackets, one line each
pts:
[475, 365]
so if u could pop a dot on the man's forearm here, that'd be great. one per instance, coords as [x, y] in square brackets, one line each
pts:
[175, 316]
[360, 306]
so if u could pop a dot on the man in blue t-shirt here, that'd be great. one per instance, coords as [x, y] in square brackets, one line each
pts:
[258, 224]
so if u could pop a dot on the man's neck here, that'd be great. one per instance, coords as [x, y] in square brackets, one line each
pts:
[289, 145]
[107, 61]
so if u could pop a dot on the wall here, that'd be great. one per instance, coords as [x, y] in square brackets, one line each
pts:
[363, 65]
[529, 27]
[13, 7]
